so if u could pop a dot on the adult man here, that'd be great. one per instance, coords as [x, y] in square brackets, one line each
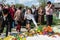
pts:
[6, 20]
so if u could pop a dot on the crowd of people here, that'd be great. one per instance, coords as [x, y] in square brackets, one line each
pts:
[11, 17]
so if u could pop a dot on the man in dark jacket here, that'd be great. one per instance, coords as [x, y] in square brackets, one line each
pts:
[6, 20]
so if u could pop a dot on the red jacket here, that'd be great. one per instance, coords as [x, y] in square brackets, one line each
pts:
[12, 12]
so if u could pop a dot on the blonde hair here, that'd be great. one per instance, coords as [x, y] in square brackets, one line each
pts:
[40, 8]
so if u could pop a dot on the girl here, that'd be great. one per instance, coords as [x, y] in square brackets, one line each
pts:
[12, 12]
[40, 15]
[49, 13]
[29, 17]
[18, 18]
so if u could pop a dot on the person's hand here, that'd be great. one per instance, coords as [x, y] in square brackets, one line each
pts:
[50, 5]
[24, 18]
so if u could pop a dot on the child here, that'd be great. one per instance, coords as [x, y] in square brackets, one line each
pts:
[29, 17]
[7, 20]
[18, 18]
[49, 13]
[40, 15]
[12, 10]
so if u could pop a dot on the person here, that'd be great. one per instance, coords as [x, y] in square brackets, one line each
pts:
[29, 18]
[6, 6]
[23, 13]
[12, 12]
[1, 8]
[34, 12]
[33, 9]
[40, 15]
[18, 18]
[7, 20]
[36, 15]
[49, 13]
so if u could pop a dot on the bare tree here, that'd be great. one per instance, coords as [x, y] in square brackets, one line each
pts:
[3, 1]
[42, 2]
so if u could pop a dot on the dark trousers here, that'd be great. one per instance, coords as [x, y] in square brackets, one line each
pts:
[49, 19]
[0, 13]
[41, 19]
[8, 27]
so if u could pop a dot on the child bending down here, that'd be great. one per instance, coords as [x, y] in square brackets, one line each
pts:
[29, 18]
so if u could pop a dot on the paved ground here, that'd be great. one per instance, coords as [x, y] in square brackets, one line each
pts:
[22, 30]
[13, 31]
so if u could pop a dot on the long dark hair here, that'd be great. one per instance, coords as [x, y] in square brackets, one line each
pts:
[30, 10]
[5, 11]
[20, 8]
